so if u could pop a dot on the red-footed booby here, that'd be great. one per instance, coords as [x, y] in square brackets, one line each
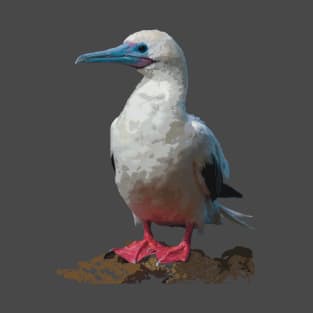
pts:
[169, 166]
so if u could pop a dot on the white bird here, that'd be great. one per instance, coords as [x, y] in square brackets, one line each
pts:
[169, 166]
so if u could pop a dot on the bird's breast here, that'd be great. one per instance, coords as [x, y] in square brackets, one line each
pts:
[150, 147]
[154, 171]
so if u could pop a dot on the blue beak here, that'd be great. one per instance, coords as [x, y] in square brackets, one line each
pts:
[126, 54]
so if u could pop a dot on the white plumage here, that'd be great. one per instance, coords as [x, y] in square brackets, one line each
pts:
[169, 166]
[158, 148]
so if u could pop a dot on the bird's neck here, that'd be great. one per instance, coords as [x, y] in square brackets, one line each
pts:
[162, 90]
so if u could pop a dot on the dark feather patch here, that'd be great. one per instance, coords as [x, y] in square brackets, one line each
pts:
[113, 163]
[229, 192]
[213, 178]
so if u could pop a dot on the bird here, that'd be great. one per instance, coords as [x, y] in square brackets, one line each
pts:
[169, 167]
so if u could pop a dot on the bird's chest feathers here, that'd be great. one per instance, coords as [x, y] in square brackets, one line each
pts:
[143, 142]
[150, 114]
[146, 135]
[149, 102]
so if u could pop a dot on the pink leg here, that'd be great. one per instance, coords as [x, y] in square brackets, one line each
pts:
[176, 253]
[137, 250]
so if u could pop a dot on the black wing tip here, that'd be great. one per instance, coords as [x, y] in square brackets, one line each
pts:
[213, 178]
[113, 163]
[229, 192]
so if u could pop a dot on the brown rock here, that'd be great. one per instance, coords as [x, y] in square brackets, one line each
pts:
[111, 269]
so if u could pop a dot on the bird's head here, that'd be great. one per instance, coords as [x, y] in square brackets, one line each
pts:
[146, 50]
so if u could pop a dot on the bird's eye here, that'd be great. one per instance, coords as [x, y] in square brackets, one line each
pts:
[142, 48]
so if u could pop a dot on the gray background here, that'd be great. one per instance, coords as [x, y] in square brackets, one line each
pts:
[249, 65]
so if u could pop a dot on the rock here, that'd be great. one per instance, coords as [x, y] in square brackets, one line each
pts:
[111, 269]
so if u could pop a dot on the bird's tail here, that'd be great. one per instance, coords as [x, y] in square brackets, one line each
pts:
[233, 215]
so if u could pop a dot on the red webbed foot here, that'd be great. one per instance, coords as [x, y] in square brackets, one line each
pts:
[137, 250]
[179, 253]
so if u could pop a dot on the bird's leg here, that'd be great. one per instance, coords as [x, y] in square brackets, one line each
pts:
[176, 253]
[137, 250]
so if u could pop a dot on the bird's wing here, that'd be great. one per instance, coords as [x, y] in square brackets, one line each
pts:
[210, 164]
[210, 168]
[205, 139]
[113, 162]
[112, 144]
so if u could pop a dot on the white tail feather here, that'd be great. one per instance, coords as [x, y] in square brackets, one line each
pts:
[234, 215]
